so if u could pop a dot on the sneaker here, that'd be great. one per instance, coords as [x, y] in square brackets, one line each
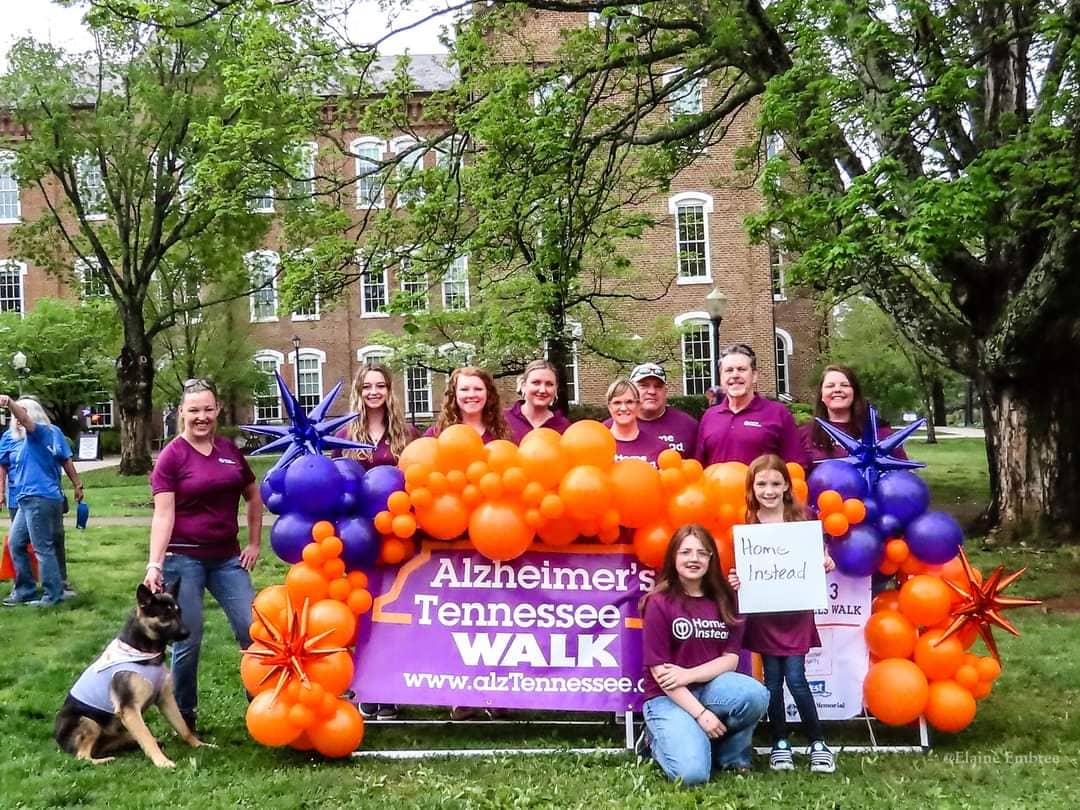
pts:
[780, 758]
[69, 592]
[821, 758]
[12, 601]
[387, 711]
[369, 710]
[643, 745]
[45, 602]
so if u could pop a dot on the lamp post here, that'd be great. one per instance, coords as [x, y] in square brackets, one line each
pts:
[296, 362]
[22, 371]
[716, 304]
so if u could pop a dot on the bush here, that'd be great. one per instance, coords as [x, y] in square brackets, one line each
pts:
[802, 411]
[109, 442]
[693, 405]
[581, 412]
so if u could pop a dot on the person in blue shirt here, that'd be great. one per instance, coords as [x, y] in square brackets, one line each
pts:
[9, 450]
[36, 477]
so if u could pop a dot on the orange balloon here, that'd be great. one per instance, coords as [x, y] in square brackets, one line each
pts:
[541, 456]
[302, 743]
[514, 479]
[636, 492]
[829, 501]
[552, 507]
[896, 551]
[268, 721]
[301, 716]
[398, 503]
[725, 544]
[437, 483]
[559, 531]
[445, 519]
[499, 531]
[609, 534]
[886, 600]
[424, 450]
[533, 493]
[456, 480]
[357, 579]
[471, 494]
[501, 455]
[796, 471]
[333, 672]
[341, 733]
[967, 676]
[491, 485]
[252, 671]
[533, 518]
[650, 544]
[800, 491]
[586, 492]
[835, 524]
[329, 614]
[854, 510]
[913, 566]
[672, 479]
[458, 446]
[331, 547]
[890, 635]
[981, 690]
[988, 669]
[321, 530]
[691, 469]
[727, 483]
[888, 568]
[333, 569]
[339, 589]
[416, 476]
[475, 471]
[257, 630]
[689, 506]
[589, 443]
[305, 582]
[941, 661]
[421, 497]
[359, 602]
[312, 554]
[403, 526]
[384, 522]
[925, 600]
[310, 695]
[271, 601]
[393, 551]
[895, 691]
[949, 706]
[669, 460]
[953, 571]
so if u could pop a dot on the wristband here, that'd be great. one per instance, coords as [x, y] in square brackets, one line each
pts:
[155, 566]
[703, 710]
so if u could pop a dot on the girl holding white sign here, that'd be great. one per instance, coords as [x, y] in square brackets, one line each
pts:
[699, 712]
[784, 639]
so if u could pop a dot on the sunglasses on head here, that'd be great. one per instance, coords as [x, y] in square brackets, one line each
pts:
[196, 384]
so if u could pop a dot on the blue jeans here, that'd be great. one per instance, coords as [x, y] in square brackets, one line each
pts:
[230, 585]
[37, 522]
[790, 668]
[683, 750]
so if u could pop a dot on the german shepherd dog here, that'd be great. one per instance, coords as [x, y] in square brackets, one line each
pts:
[103, 712]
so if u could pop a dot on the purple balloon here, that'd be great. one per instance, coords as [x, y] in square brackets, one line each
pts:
[860, 552]
[275, 479]
[934, 537]
[313, 486]
[873, 511]
[265, 490]
[839, 475]
[889, 526]
[361, 542]
[352, 473]
[378, 484]
[289, 534]
[902, 494]
[275, 504]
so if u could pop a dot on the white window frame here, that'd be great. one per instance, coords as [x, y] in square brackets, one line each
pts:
[271, 257]
[776, 260]
[307, 154]
[359, 162]
[546, 91]
[81, 268]
[364, 311]
[374, 353]
[774, 145]
[699, 318]
[9, 184]
[674, 104]
[675, 203]
[783, 336]
[446, 279]
[93, 195]
[406, 167]
[105, 424]
[260, 204]
[407, 389]
[447, 152]
[18, 269]
[404, 272]
[307, 354]
[278, 359]
[597, 18]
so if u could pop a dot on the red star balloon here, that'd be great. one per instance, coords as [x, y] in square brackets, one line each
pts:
[287, 652]
[982, 604]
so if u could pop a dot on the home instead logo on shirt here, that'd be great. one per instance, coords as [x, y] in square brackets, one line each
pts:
[683, 628]
[226, 461]
[751, 423]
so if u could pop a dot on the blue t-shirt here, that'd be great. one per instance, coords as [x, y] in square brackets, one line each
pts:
[37, 463]
[9, 449]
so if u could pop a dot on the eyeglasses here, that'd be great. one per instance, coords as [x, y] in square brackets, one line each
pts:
[694, 554]
[623, 404]
[196, 384]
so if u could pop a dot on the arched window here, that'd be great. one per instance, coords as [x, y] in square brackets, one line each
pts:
[691, 210]
[262, 267]
[698, 363]
[370, 179]
[373, 353]
[410, 164]
[784, 347]
[266, 401]
[11, 286]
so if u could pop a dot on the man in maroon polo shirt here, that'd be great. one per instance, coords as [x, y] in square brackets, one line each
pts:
[656, 418]
[745, 425]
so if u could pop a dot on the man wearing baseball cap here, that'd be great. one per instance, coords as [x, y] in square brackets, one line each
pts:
[656, 417]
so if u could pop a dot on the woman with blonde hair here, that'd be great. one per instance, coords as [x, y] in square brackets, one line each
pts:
[472, 399]
[381, 420]
[538, 387]
[624, 403]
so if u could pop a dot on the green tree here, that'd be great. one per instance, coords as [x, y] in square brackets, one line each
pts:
[155, 154]
[70, 351]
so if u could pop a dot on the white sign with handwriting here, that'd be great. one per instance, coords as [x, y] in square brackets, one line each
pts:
[781, 566]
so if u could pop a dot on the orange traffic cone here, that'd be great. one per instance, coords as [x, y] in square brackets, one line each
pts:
[7, 566]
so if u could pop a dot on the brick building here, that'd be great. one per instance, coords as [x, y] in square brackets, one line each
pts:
[699, 238]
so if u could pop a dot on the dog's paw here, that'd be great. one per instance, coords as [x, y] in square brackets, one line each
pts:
[102, 760]
[165, 762]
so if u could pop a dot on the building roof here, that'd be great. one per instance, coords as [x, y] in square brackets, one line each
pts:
[430, 72]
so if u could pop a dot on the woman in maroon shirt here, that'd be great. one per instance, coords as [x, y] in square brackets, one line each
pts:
[623, 403]
[472, 399]
[840, 401]
[198, 481]
[381, 421]
[538, 388]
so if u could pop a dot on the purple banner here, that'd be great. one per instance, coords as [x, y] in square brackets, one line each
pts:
[554, 629]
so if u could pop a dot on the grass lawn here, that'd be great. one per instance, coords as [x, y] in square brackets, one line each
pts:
[1020, 752]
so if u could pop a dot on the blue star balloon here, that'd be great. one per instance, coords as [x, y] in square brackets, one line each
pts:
[871, 455]
[307, 432]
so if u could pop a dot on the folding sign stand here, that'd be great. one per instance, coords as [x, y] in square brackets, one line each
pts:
[874, 747]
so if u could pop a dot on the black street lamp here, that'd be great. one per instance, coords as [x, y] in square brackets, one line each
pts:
[296, 363]
[716, 304]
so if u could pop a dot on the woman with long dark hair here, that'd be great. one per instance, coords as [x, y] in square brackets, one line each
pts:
[840, 402]
[472, 399]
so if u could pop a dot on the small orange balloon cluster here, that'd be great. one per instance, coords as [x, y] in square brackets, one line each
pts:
[838, 514]
[915, 668]
[299, 662]
[558, 488]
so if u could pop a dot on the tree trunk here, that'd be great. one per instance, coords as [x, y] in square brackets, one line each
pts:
[135, 402]
[938, 395]
[558, 355]
[1032, 439]
[928, 401]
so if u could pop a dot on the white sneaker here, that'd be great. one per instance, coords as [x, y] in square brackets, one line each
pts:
[821, 758]
[780, 758]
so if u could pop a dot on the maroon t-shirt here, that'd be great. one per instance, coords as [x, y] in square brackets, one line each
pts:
[208, 491]
[814, 453]
[677, 428]
[380, 455]
[520, 425]
[686, 631]
[645, 447]
[763, 426]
